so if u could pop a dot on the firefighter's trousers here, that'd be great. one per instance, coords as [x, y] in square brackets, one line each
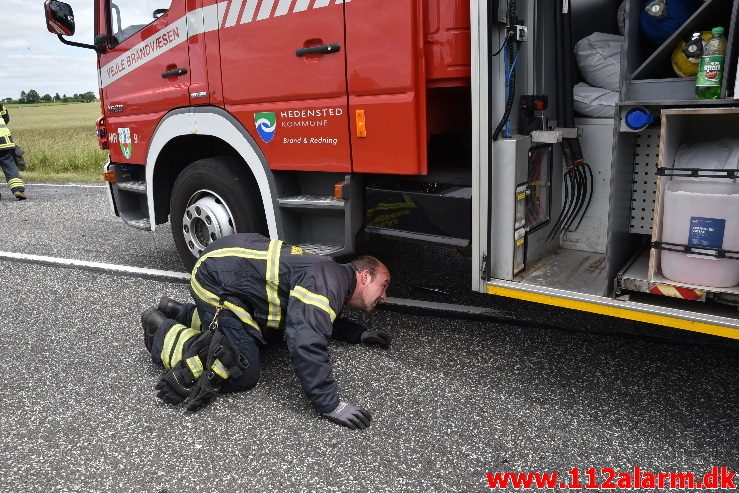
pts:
[12, 175]
[174, 337]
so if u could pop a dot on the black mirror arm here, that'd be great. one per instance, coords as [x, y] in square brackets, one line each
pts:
[78, 45]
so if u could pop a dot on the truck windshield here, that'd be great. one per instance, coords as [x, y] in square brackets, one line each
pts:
[130, 16]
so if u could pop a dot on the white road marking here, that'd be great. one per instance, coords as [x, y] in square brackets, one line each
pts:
[82, 185]
[416, 306]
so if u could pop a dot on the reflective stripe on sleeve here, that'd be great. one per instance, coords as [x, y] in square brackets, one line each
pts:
[219, 369]
[195, 366]
[313, 299]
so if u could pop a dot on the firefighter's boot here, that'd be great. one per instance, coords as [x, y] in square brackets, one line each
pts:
[151, 320]
[19, 195]
[171, 308]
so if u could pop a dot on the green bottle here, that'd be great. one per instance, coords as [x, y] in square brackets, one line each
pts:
[711, 69]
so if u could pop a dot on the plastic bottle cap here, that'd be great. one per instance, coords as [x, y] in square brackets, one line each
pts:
[638, 118]
[717, 31]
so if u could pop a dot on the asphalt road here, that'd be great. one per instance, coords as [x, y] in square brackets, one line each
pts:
[451, 399]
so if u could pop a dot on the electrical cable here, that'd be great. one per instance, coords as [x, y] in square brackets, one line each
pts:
[510, 81]
[578, 175]
[509, 72]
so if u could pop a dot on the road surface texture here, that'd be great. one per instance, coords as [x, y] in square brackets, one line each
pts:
[451, 400]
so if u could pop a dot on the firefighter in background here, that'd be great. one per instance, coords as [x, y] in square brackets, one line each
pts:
[248, 291]
[7, 158]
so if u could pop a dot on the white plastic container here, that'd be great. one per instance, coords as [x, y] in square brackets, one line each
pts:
[701, 213]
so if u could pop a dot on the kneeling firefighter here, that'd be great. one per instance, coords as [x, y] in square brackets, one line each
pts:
[249, 290]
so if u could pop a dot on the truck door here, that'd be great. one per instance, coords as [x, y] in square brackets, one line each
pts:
[284, 77]
[387, 98]
[144, 74]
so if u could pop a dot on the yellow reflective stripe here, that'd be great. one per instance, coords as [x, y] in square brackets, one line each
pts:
[185, 336]
[233, 252]
[195, 366]
[219, 369]
[213, 300]
[15, 182]
[313, 299]
[229, 252]
[273, 283]
[195, 320]
[243, 315]
[5, 135]
[169, 341]
[203, 294]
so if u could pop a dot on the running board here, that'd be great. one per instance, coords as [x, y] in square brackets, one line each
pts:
[129, 196]
[422, 237]
[312, 202]
[142, 223]
[132, 186]
[319, 222]
[322, 249]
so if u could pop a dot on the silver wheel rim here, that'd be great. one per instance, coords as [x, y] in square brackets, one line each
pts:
[206, 218]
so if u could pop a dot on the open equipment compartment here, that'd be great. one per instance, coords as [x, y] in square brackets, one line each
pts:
[697, 206]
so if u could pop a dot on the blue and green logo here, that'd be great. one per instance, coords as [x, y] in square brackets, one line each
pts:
[266, 125]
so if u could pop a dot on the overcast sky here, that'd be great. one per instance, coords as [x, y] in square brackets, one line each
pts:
[33, 58]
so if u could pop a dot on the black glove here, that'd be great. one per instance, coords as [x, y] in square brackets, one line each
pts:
[176, 383]
[224, 361]
[174, 386]
[205, 390]
[379, 337]
[348, 330]
[349, 415]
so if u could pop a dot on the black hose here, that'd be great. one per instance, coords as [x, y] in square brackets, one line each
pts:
[578, 176]
[511, 83]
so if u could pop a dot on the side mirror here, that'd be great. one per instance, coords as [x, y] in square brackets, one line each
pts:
[59, 18]
[60, 21]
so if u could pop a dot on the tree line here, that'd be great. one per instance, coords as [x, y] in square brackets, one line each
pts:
[33, 96]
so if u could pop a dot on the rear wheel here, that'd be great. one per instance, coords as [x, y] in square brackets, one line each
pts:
[213, 198]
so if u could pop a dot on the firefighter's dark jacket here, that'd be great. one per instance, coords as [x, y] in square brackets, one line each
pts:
[273, 287]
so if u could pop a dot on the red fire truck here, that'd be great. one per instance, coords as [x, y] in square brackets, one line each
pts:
[443, 121]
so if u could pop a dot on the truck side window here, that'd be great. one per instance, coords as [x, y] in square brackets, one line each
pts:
[131, 16]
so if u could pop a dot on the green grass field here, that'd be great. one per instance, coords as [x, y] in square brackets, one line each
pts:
[59, 140]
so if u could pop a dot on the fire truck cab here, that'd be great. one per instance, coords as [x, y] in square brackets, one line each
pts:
[443, 121]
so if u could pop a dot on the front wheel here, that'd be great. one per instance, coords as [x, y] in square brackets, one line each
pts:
[213, 198]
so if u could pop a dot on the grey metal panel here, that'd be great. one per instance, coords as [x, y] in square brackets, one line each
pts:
[662, 89]
[572, 270]
[597, 139]
[506, 175]
[646, 157]
[634, 276]
[480, 138]
[621, 243]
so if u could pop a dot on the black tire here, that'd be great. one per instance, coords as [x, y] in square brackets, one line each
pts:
[221, 198]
